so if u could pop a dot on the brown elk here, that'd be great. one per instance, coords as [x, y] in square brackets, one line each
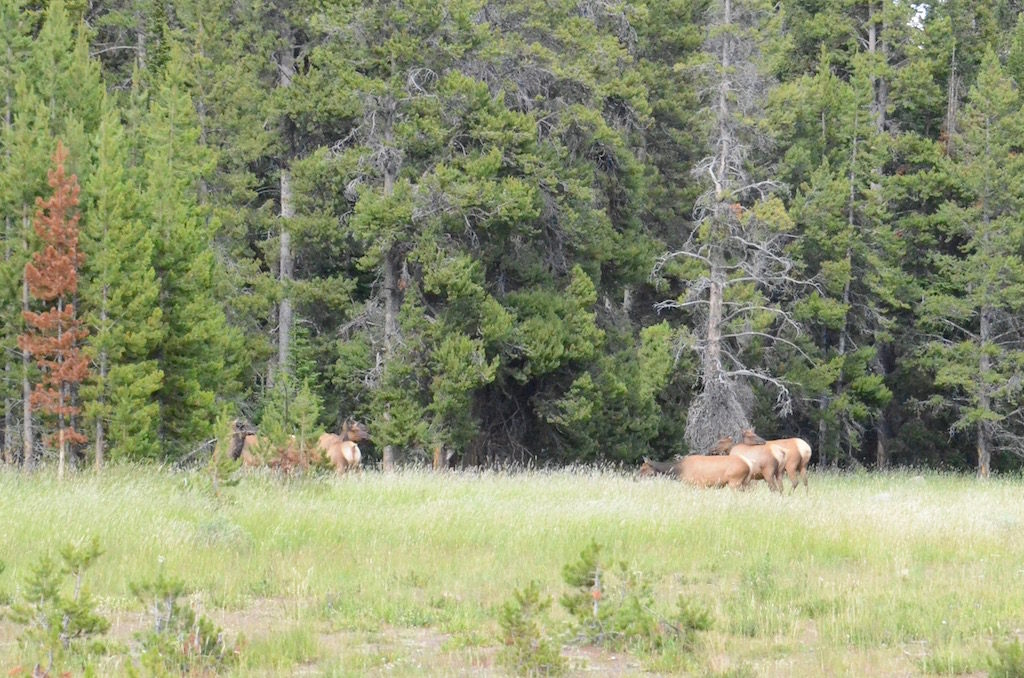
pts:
[703, 470]
[767, 459]
[255, 450]
[798, 455]
[341, 449]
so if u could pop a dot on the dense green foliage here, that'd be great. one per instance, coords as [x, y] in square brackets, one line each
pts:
[492, 227]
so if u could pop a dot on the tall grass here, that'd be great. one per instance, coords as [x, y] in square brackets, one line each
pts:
[864, 574]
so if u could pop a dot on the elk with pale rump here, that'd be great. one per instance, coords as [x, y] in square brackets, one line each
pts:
[767, 459]
[703, 471]
[341, 449]
[798, 455]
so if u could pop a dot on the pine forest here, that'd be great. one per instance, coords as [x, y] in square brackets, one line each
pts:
[500, 233]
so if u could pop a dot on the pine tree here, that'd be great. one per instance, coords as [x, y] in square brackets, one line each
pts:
[736, 254]
[120, 295]
[198, 349]
[54, 336]
[974, 305]
[16, 41]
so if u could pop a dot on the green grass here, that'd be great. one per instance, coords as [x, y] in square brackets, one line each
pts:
[403, 573]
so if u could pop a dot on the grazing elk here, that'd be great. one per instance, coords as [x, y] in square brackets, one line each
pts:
[703, 470]
[798, 455]
[341, 449]
[767, 459]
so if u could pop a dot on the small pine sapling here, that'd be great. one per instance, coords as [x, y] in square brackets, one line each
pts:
[222, 467]
[180, 642]
[527, 650]
[61, 628]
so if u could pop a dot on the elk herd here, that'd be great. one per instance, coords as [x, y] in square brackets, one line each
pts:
[736, 465]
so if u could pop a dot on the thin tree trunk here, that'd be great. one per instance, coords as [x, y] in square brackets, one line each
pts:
[823, 434]
[882, 436]
[285, 274]
[100, 439]
[392, 301]
[984, 398]
[879, 85]
[26, 388]
[284, 318]
[952, 102]
[391, 305]
[61, 449]
[9, 456]
[9, 435]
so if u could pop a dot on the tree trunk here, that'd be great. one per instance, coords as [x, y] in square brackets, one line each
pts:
[284, 318]
[61, 448]
[100, 439]
[392, 300]
[391, 306]
[882, 443]
[286, 68]
[9, 436]
[712, 362]
[952, 101]
[879, 85]
[984, 398]
[823, 435]
[28, 458]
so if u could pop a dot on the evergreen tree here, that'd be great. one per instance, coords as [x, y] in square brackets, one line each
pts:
[120, 294]
[196, 353]
[737, 247]
[16, 41]
[53, 337]
[973, 308]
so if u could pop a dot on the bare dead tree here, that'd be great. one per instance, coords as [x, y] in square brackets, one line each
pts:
[734, 243]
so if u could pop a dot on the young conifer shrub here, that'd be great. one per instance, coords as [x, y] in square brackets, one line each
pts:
[61, 626]
[617, 609]
[527, 650]
[180, 642]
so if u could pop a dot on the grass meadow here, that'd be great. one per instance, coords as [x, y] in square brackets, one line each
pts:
[404, 573]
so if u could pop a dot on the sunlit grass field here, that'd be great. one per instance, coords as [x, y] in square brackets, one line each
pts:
[404, 573]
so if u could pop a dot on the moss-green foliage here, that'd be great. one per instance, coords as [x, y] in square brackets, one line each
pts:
[60, 622]
[527, 650]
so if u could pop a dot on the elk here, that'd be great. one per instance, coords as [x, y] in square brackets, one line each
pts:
[341, 449]
[704, 470]
[767, 459]
[798, 455]
[256, 450]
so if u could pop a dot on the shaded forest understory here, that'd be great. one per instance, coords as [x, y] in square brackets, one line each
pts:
[513, 232]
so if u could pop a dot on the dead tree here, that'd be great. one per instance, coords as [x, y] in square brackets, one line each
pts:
[734, 260]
